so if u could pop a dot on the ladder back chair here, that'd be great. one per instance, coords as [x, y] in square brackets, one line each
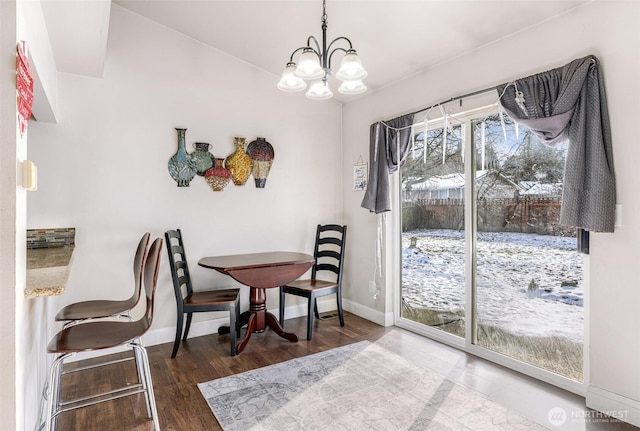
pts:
[329, 258]
[189, 301]
[102, 335]
[97, 309]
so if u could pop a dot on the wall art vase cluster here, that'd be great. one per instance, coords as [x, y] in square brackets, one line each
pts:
[261, 152]
[182, 167]
[255, 160]
[239, 163]
[218, 177]
[204, 159]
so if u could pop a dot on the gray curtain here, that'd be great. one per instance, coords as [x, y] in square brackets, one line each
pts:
[569, 103]
[385, 139]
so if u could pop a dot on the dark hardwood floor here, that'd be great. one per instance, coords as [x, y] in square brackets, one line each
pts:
[181, 407]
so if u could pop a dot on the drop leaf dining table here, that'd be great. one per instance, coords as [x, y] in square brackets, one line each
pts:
[260, 271]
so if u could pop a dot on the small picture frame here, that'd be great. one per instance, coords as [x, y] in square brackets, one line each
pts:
[360, 175]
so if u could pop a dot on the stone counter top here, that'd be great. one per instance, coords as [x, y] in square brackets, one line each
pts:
[49, 257]
[48, 271]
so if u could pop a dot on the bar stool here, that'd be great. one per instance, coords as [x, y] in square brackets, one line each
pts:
[101, 335]
[97, 309]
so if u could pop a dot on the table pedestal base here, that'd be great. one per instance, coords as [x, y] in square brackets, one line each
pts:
[258, 319]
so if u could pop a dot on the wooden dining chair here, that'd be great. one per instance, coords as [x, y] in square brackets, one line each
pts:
[97, 309]
[329, 258]
[101, 335]
[189, 301]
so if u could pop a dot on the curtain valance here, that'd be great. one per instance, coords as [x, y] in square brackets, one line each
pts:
[388, 148]
[569, 103]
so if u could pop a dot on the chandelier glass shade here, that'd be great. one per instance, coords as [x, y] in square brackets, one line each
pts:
[308, 65]
[355, 86]
[314, 64]
[289, 81]
[319, 90]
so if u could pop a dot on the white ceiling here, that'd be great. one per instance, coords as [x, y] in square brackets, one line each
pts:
[395, 39]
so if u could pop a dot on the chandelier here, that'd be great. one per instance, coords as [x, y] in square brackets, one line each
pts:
[314, 64]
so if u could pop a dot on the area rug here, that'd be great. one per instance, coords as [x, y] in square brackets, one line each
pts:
[360, 386]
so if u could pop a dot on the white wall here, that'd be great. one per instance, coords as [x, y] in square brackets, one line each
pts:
[103, 167]
[610, 31]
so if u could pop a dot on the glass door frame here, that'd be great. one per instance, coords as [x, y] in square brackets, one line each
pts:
[469, 343]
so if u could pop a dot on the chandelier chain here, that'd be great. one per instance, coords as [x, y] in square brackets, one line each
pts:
[324, 13]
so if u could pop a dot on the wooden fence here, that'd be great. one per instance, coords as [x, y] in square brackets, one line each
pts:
[523, 214]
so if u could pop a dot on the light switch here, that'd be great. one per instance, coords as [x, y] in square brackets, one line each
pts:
[618, 215]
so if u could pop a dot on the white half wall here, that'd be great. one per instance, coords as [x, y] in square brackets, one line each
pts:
[10, 397]
[608, 30]
[23, 323]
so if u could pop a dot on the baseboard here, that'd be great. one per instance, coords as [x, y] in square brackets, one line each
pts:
[329, 304]
[198, 329]
[375, 316]
[161, 336]
[206, 327]
[613, 405]
[299, 310]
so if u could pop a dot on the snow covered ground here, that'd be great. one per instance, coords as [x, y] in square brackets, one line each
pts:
[528, 284]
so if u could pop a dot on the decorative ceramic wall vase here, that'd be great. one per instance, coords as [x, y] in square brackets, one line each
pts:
[261, 152]
[182, 167]
[203, 158]
[218, 177]
[239, 163]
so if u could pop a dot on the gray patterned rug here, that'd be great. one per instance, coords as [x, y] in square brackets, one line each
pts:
[361, 386]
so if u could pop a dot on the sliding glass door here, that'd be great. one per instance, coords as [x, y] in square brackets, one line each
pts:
[433, 239]
[517, 264]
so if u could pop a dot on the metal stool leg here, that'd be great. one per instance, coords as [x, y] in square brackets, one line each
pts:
[53, 391]
[149, 384]
[142, 379]
[43, 404]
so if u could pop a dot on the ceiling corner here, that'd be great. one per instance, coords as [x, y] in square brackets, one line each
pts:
[78, 31]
